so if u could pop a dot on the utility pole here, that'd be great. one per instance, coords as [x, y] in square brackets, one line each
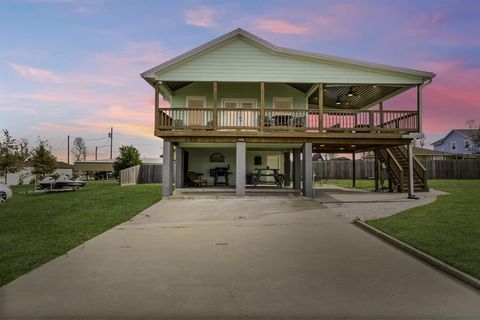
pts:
[110, 135]
[96, 152]
[68, 149]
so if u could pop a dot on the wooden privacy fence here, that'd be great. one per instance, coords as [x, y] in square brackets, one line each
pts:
[143, 173]
[364, 169]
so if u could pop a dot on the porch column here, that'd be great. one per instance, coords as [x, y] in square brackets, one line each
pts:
[380, 107]
[215, 104]
[262, 106]
[376, 170]
[240, 169]
[286, 168]
[297, 169]
[167, 169]
[419, 108]
[353, 170]
[411, 194]
[307, 170]
[320, 107]
[179, 167]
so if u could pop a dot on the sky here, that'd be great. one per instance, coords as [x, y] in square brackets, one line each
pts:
[71, 67]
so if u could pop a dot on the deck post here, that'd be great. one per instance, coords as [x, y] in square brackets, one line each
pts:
[167, 169]
[297, 169]
[240, 169]
[376, 169]
[419, 108]
[157, 104]
[286, 168]
[215, 104]
[320, 107]
[262, 106]
[179, 167]
[307, 170]
[380, 107]
[353, 170]
[411, 194]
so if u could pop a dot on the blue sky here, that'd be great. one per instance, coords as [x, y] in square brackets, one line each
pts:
[72, 66]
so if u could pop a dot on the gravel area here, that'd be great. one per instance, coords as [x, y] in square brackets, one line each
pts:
[366, 205]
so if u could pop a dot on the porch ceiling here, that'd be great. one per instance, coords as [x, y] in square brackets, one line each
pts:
[250, 146]
[362, 95]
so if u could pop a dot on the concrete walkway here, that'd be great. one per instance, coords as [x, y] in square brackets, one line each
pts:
[366, 205]
[230, 258]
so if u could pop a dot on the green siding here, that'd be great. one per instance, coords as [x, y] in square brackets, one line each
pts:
[240, 60]
[239, 90]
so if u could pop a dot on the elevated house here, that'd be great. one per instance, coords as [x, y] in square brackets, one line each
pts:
[458, 141]
[246, 106]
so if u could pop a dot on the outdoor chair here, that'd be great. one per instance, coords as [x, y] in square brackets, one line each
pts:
[195, 179]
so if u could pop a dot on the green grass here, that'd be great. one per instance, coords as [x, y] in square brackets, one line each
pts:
[37, 227]
[359, 184]
[448, 229]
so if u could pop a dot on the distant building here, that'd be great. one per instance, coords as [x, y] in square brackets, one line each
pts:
[25, 175]
[429, 154]
[458, 141]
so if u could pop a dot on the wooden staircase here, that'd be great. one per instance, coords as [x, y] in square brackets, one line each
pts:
[396, 162]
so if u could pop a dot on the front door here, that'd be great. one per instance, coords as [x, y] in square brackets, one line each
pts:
[240, 112]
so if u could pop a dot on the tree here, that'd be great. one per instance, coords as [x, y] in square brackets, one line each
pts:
[475, 135]
[128, 157]
[44, 162]
[422, 141]
[10, 158]
[79, 149]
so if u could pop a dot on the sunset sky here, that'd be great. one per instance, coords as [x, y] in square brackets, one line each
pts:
[72, 66]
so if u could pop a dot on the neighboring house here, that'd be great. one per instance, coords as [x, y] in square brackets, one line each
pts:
[429, 154]
[240, 104]
[458, 141]
[98, 169]
[26, 174]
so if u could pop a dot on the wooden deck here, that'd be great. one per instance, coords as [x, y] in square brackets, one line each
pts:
[337, 129]
[286, 120]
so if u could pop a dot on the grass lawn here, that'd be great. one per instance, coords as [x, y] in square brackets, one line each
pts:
[35, 228]
[448, 229]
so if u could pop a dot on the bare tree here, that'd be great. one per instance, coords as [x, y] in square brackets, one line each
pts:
[422, 141]
[79, 149]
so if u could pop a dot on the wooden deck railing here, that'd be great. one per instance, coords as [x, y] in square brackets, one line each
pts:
[304, 120]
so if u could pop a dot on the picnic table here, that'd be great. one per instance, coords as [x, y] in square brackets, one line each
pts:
[263, 172]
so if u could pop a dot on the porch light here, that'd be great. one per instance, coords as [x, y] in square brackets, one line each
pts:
[322, 145]
[338, 101]
[374, 86]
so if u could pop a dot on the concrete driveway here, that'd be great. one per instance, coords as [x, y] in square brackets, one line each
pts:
[252, 257]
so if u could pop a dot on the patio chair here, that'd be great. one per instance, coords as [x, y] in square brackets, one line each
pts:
[195, 179]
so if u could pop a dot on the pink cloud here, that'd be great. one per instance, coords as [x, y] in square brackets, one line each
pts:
[203, 16]
[36, 73]
[281, 26]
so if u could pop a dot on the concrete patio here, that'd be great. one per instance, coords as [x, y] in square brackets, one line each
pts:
[228, 258]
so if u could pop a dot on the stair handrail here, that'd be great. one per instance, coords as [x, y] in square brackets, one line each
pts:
[418, 167]
[394, 165]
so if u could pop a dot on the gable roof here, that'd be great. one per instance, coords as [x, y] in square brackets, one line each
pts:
[467, 133]
[149, 75]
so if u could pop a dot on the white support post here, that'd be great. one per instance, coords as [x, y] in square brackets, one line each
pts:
[297, 169]
[411, 194]
[167, 169]
[240, 169]
[419, 108]
[179, 167]
[307, 170]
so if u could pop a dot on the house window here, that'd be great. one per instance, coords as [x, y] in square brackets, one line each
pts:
[466, 144]
[283, 102]
[453, 146]
[196, 102]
